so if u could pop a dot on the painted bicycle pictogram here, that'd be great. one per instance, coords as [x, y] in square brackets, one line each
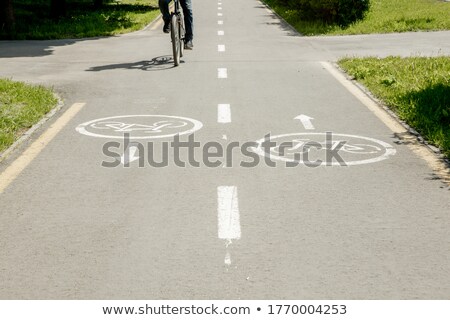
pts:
[307, 148]
[139, 126]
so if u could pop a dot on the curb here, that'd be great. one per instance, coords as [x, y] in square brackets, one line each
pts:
[155, 21]
[27, 135]
[393, 115]
[284, 22]
[444, 163]
[151, 24]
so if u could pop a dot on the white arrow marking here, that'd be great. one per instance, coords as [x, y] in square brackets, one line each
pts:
[306, 121]
[131, 155]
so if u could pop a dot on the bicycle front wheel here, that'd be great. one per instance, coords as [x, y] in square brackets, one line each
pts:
[181, 32]
[175, 35]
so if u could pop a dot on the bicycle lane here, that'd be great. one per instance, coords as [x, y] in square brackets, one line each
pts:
[137, 233]
[71, 228]
[358, 231]
[89, 232]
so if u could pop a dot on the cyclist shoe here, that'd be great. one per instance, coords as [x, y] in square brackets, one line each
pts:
[166, 27]
[189, 45]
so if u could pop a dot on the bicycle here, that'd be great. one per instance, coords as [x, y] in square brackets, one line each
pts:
[177, 32]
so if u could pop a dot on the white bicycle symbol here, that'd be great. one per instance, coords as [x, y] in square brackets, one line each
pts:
[139, 126]
[131, 127]
[360, 150]
[302, 146]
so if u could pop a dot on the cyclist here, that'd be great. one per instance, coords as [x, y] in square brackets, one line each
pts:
[188, 20]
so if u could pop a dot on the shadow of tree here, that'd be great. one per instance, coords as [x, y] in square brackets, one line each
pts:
[33, 48]
[278, 21]
[428, 111]
[33, 21]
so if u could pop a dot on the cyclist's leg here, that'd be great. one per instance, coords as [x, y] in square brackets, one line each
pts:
[164, 8]
[188, 19]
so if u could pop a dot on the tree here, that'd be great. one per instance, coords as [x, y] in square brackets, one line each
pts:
[98, 3]
[57, 8]
[7, 21]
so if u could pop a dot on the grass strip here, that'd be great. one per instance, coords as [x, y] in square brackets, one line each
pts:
[21, 106]
[384, 16]
[33, 19]
[417, 89]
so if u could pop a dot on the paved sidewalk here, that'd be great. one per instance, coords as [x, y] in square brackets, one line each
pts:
[35, 60]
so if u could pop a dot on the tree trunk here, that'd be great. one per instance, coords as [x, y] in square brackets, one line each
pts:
[6, 15]
[57, 8]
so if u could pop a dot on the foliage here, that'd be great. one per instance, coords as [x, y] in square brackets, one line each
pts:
[417, 89]
[340, 12]
[383, 16]
[35, 19]
[21, 106]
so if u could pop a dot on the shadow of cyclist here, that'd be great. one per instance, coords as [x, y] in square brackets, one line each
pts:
[156, 64]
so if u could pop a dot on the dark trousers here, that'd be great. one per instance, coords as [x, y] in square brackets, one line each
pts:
[187, 12]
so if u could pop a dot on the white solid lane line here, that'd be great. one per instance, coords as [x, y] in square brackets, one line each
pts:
[229, 224]
[222, 73]
[223, 113]
[220, 33]
[368, 102]
[221, 48]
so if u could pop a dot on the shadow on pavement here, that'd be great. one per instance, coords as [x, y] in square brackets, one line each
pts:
[156, 64]
[283, 25]
[33, 48]
[278, 21]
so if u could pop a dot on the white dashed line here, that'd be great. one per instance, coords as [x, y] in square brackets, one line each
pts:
[220, 33]
[223, 113]
[222, 73]
[219, 8]
[229, 225]
[219, 14]
[220, 22]
[221, 48]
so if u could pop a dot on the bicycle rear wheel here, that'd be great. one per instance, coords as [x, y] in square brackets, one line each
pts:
[175, 35]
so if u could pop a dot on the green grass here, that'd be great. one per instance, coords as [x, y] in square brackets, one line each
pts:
[33, 19]
[417, 89]
[384, 16]
[21, 106]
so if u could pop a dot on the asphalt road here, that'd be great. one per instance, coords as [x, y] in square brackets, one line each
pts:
[375, 227]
